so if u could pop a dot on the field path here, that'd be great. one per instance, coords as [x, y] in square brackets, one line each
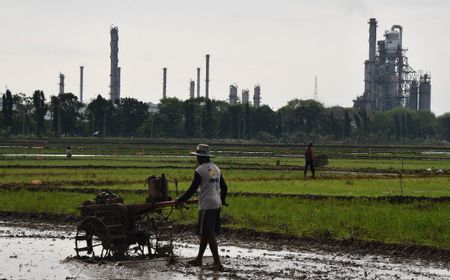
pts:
[32, 251]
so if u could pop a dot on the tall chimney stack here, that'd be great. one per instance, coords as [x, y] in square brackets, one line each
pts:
[164, 83]
[61, 83]
[207, 78]
[198, 82]
[115, 70]
[257, 96]
[81, 83]
[192, 89]
[369, 70]
[372, 39]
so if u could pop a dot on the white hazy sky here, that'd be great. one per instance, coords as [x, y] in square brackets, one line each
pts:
[280, 44]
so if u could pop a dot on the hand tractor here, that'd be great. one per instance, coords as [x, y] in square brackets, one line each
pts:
[110, 228]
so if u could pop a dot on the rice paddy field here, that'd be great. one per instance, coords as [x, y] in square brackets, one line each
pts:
[391, 194]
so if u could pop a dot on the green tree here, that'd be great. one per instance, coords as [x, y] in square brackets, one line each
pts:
[304, 118]
[231, 122]
[411, 126]
[24, 105]
[132, 114]
[347, 125]
[264, 120]
[279, 130]
[397, 131]
[97, 114]
[366, 124]
[69, 113]
[443, 126]
[54, 109]
[171, 111]
[189, 118]
[40, 109]
[334, 126]
[65, 110]
[7, 110]
[209, 121]
[426, 122]
[248, 122]
[357, 121]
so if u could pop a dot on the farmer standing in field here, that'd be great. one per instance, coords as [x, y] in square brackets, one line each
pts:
[213, 191]
[69, 152]
[309, 158]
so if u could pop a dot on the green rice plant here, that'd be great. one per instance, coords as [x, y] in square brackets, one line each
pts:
[420, 223]
[329, 218]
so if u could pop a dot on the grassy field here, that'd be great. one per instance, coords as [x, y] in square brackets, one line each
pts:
[130, 146]
[424, 223]
[421, 223]
[255, 181]
[429, 187]
[225, 162]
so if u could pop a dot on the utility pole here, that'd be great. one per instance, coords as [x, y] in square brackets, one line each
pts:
[316, 91]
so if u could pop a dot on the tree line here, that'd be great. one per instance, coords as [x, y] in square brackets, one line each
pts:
[297, 121]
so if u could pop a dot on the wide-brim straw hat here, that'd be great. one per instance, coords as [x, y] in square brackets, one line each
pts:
[202, 150]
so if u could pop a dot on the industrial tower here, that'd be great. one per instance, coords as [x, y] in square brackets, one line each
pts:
[257, 96]
[207, 78]
[81, 83]
[61, 83]
[245, 96]
[164, 83]
[389, 81]
[198, 82]
[115, 69]
[233, 97]
[316, 90]
[192, 89]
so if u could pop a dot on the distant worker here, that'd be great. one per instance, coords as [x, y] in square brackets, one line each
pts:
[69, 152]
[309, 158]
[212, 194]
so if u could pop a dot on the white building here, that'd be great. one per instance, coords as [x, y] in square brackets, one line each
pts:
[152, 107]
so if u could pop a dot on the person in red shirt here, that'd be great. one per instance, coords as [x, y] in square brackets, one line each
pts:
[309, 158]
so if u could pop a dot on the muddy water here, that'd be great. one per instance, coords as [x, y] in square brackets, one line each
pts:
[32, 251]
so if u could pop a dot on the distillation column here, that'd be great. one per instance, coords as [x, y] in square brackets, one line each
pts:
[257, 96]
[61, 83]
[192, 89]
[115, 70]
[233, 97]
[369, 73]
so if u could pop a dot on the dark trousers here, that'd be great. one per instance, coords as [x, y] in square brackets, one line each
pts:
[309, 163]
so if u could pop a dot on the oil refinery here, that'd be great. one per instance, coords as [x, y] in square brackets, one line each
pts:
[389, 80]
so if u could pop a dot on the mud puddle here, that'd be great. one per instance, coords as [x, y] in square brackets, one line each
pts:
[44, 251]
